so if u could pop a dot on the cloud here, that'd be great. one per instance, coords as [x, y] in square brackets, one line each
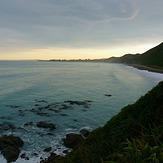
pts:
[56, 12]
[63, 17]
[77, 23]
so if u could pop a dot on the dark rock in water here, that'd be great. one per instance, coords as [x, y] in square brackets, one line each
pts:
[42, 114]
[76, 102]
[84, 132]
[35, 154]
[51, 134]
[51, 159]
[63, 114]
[13, 106]
[6, 117]
[36, 105]
[72, 140]
[7, 126]
[24, 156]
[46, 125]
[28, 124]
[108, 95]
[10, 153]
[86, 106]
[41, 101]
[9, 147]
[88, 101]
[85, 103]
[12, 141]
[48, 149]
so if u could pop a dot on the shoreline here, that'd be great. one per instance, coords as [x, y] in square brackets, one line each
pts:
[138, 66]
[143, 67]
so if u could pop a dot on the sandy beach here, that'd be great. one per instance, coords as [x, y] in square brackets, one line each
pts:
[149, 68]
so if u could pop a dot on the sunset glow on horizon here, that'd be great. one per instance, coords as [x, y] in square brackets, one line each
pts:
[87, 29]
[68, 54]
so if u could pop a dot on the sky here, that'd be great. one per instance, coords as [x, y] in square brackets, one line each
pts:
[78, 29]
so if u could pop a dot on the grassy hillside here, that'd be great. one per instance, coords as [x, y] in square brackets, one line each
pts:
[153, 57]
[134, 135]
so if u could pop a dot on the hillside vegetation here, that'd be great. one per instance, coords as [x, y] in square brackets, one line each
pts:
[152, 57]
[134, 135]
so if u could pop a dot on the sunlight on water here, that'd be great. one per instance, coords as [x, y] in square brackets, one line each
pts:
[70, 95]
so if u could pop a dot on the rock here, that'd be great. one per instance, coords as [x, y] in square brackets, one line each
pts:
[7, 126]
[76, 102]
[28, 124]
[35, 154]
[9, 147]
[13, 106]
[48, 149]
[42, 114]
[72, 140]
[84, 132]
[10, 153]
[46, 125]
[24, 156]
[65, 107]
[108, 95]
[51, 134]
[11, 140]
[63, 114]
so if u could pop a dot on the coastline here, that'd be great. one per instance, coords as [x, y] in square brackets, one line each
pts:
[148, 68]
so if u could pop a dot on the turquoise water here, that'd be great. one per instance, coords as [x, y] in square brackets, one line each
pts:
[33, 91]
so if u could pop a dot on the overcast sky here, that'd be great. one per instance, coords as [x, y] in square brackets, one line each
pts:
[46, 29]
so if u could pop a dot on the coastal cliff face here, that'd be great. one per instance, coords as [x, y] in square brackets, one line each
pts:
[133, 135]
[152, 57]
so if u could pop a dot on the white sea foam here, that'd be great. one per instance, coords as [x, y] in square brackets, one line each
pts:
[155, 76]
[2, 159]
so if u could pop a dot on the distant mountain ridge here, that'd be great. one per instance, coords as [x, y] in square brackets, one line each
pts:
[152, 57]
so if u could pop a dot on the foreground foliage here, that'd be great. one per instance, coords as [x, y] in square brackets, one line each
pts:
[134, 135]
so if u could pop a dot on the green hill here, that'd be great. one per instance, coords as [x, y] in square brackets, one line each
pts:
[133, 135]
[152, 57]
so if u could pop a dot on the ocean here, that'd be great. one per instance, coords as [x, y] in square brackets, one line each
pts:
[72, 95]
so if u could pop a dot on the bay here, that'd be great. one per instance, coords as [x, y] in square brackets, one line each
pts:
[33, 91]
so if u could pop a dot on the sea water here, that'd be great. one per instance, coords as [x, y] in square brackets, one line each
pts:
[34, 91]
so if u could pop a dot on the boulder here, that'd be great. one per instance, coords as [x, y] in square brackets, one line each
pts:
[72, 140]
[24, 156]
[48, 149]
[46, 125]
[9, 147]
[11, 140]
[10, 153]
[28, 124]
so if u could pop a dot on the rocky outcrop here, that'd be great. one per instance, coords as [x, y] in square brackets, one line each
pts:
[72, 140]
[9, 147]
[48, 149]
